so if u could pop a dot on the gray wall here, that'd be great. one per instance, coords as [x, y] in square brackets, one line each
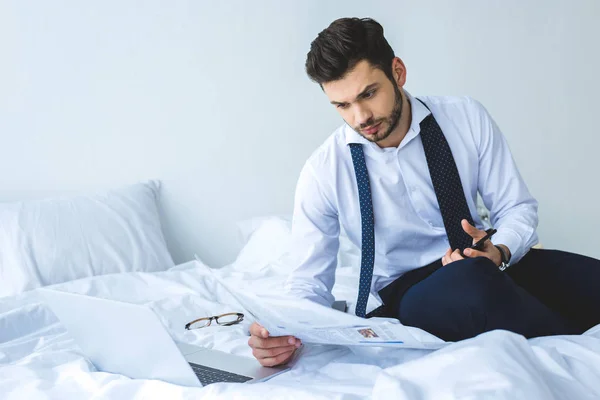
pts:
[211, 98]
[534, 65]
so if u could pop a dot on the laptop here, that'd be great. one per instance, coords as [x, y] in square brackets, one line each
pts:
[130, 340]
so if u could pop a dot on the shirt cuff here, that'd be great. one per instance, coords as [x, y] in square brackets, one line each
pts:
[512, 240]
[325, 299]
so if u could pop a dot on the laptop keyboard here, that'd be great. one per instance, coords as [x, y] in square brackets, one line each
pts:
[208, 375]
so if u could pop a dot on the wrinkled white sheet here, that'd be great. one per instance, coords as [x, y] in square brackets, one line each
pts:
[38, 360]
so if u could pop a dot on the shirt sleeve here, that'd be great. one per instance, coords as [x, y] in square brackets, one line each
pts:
[513, 210]
[315, 241]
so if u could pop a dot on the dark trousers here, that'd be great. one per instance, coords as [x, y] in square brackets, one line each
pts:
[548, 292]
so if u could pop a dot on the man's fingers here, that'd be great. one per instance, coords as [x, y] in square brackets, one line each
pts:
[475, 253]
[271, 353]
[475, 233]
[257, 329]
[446, 259]
[467, 227]
[273, 361]
[455, 256]
[268, 343]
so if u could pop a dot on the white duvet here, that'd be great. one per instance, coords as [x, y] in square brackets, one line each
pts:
[38, 360]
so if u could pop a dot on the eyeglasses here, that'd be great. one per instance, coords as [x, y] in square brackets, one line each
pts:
[223, 320]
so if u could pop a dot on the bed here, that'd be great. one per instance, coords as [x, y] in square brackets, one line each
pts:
[39, 360]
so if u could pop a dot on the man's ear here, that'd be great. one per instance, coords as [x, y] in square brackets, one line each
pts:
[399, 71]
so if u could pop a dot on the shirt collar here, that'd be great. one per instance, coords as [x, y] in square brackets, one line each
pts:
[418, 113]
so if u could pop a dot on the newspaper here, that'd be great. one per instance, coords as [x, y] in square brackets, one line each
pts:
[315, 323]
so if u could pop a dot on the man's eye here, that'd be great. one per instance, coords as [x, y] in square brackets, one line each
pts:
[368, 95]
[342, 106]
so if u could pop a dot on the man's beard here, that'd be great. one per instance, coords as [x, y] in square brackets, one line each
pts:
[392, 120]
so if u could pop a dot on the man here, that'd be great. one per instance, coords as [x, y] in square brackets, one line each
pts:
[401, 178]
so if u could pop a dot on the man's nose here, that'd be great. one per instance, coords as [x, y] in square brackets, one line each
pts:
[363, 116]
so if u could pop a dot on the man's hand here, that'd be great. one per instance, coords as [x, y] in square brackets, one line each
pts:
[489, 250]
[271, 351]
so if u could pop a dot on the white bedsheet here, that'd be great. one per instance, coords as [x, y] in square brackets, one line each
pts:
[38, 360]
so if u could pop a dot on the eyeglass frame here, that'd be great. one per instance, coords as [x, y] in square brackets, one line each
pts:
[240, 318]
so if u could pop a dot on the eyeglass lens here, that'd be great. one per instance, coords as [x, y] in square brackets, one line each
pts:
[227, 319]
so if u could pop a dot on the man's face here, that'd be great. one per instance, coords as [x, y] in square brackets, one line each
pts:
[367, 100]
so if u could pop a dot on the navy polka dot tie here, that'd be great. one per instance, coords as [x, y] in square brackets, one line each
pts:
[367, 257]
[448, 190]
[446, 183]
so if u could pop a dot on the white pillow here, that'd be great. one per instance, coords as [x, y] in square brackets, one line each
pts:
[267, 242]
[51, 241]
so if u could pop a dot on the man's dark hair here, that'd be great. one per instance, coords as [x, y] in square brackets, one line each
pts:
[339, 47]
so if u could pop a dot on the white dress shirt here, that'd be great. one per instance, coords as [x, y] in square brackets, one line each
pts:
[409, 231]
